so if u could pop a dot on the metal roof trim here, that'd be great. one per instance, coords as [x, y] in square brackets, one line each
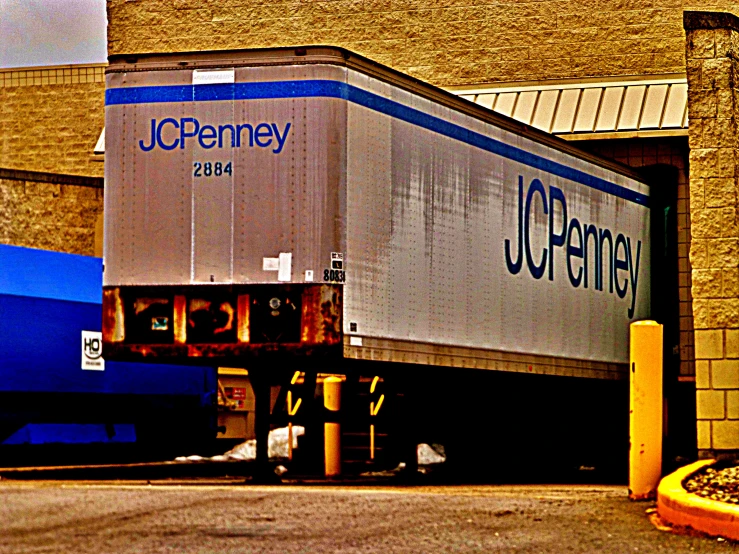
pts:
[591, 108]
[551, 84]
[651, 133]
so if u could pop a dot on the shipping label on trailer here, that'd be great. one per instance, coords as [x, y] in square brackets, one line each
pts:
[312, 202]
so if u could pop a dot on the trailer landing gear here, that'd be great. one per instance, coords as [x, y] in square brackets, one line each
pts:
[260, 382]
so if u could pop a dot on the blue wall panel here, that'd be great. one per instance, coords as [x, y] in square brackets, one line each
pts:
[46, 300]
[40, 342]
[46, 274]
[70, 433]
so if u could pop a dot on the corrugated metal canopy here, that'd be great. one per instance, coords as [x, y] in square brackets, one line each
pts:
[592, 109]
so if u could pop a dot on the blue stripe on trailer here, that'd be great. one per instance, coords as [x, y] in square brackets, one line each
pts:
[334, 89]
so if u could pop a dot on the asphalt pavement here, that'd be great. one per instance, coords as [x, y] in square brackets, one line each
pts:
[226, 516]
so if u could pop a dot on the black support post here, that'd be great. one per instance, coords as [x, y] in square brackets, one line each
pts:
[313, 441]
[261, 386]
[410, 430]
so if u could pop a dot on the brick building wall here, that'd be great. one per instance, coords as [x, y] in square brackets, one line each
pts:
[50, 120]
[59, 215]
[713, 105]
[444, 42]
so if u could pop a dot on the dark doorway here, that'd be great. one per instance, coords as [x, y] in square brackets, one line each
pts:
[679, 397]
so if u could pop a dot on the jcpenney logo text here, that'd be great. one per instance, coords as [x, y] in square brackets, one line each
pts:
[585, 247]
[171, 133]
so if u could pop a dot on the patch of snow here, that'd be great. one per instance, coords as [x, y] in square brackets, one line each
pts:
[430, 454]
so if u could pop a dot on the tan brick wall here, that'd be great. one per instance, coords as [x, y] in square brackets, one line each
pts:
[49, 216]
[714, 250]
[445, 42]
[51, 118]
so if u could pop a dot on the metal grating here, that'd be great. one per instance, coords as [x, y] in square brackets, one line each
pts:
[590, 109]
[52, 75]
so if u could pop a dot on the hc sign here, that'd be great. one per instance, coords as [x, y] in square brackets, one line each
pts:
[92, 351]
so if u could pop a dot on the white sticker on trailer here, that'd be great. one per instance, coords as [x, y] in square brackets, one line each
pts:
[270, 264]
[92, 351]
[212, 76]
[285, 271]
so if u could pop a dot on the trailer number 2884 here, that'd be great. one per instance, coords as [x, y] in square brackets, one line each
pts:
[209, 169]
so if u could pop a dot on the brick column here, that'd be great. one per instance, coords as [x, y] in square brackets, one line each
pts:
[712, 55]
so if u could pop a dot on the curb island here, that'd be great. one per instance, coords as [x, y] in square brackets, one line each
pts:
[681, 508]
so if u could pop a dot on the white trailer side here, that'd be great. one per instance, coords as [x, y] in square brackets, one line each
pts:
[433, 200]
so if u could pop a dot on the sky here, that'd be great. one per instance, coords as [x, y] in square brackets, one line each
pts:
[52, 32]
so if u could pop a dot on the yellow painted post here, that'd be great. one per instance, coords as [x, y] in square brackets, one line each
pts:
[645, 409]
[290, 413]
[373, 412]
[372, 441]
[332, 429]
[289, 425]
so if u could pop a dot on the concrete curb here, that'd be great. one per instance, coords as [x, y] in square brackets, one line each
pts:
[679, 507]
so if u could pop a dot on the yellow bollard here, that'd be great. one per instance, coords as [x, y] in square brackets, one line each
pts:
[332, 430]
[645, 409]
[372, 441]
[291, 412]
[289, 425]
[373, 412]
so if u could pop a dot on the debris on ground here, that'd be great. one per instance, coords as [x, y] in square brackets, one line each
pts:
[429, 454]
[716, 483]
[247, 450]
[385, 472]
[659, 523]
[277, 447]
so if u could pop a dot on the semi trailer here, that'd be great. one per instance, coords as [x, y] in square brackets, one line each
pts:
[296, 208]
